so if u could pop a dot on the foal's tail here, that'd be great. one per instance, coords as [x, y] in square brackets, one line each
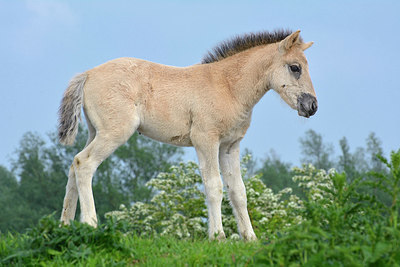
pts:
[70, 110]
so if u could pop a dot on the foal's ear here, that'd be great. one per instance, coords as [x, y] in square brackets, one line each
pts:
[289, 41]
[307, 45]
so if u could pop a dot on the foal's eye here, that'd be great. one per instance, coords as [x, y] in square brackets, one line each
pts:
[294, 68]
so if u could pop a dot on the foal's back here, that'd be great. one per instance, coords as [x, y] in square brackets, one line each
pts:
[167, 101]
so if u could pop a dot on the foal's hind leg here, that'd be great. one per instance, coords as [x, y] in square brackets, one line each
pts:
[71, 194]
[70, 199]
[230, 168]
[85, 164]
[110, 134]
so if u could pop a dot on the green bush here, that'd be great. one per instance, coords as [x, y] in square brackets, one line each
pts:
[342, 225]
[73, 243]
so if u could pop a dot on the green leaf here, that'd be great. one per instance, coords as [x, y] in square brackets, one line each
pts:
[54, 252]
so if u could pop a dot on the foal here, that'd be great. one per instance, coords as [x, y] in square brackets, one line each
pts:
[207, 106]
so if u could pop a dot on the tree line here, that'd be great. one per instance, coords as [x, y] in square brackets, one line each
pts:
[34, 186]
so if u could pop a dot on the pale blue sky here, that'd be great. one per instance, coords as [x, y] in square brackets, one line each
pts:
[354, 63]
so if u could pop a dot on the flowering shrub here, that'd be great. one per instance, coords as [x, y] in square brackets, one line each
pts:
[269, 211]
[178, 207]
[317, 184]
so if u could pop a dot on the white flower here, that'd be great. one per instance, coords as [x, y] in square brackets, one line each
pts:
[234, 237]
[286, 190]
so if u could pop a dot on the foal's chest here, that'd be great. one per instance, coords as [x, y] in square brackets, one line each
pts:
[237, 130]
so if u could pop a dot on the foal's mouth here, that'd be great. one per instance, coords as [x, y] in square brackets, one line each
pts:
[307, 105]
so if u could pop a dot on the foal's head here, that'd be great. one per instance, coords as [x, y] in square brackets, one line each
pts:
[290, 77]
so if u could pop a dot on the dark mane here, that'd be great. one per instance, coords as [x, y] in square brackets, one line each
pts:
[243, 42]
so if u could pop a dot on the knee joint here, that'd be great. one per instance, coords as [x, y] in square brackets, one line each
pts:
[238, 195]
[214, 192]
[77, 162]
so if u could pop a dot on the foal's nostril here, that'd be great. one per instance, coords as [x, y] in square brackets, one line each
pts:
[314, 107]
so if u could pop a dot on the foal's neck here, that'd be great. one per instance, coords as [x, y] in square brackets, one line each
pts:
[247, 74]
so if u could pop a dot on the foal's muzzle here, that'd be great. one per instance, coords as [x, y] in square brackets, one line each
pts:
[306, 105]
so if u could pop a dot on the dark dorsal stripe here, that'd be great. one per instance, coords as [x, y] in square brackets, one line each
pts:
[243, 42]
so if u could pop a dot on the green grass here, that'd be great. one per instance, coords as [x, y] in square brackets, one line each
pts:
[81, 245]
[343, 224]
[110, 245]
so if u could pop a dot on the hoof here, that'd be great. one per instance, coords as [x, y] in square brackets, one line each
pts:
[220, 236]
[249, 236]
[92, 222]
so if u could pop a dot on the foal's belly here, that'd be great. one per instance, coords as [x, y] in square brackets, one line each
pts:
[167, 133]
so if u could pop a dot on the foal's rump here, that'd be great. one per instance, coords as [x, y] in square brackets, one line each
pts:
[104, 93]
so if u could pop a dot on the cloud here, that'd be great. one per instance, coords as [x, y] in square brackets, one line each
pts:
[44, 24]
[46, 12]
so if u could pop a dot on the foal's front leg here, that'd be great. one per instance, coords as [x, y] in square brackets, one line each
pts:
[207, 154]
[230, 168]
